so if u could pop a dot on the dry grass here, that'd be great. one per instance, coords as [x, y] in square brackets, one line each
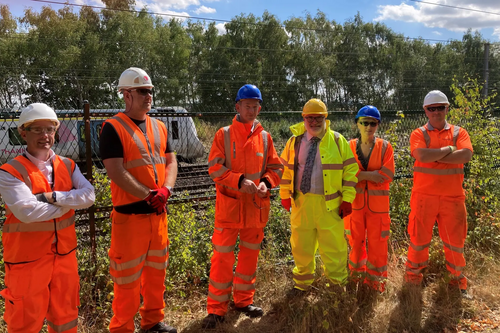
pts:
[432, 307]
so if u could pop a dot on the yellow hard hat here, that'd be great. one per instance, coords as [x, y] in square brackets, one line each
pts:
[315, 106]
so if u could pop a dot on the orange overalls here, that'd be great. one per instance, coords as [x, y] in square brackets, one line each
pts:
[41, 271]
[236, 152]
[370, 218]
[438, 195]
[139, 242]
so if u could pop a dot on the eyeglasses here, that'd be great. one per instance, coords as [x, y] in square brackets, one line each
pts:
[143, 91]
[311, 119]
[436, 108]
[368, 123]
[40, 130]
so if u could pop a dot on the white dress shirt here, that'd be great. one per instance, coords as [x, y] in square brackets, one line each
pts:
[317, 185]
[24, 205]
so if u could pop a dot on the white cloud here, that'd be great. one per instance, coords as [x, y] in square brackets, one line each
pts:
[437, 33]
[204, 10]
[221, 27]
[454, 19]
[496, 32]
[173, 4]
[211, 0]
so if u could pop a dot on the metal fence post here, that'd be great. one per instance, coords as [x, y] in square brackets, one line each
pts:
[90, 176]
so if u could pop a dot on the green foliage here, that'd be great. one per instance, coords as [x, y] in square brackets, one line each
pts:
[190, 233]
[482, 184]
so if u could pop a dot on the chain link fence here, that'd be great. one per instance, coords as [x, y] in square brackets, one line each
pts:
[190, 135]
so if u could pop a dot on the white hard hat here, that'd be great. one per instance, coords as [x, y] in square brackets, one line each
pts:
[435, 97]
[37, 111]
[134, 77]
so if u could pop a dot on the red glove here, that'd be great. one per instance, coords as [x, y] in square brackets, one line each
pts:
[286, 203]
[159, 201]
[345, 209]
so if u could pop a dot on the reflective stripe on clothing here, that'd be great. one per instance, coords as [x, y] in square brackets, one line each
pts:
[440, 179]
[221, 271]
[26, 242]
[313, 227]
[450, 215]
[381, 160]
[237, 153]
[144, 154]
[39, 226]
[338, 170]
[64, 327]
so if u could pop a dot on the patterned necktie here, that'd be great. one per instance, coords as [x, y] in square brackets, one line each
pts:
[305, 184]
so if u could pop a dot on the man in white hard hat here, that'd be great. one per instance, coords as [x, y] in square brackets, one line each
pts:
[142, 168]
[440, 151]
[41, 190]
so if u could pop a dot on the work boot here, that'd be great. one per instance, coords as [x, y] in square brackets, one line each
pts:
[465, 294]
[160, 327]
[251, 311]
[295, 292]
[211, 321]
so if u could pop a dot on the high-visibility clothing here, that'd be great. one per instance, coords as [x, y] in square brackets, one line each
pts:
[239, 150]
[439, 178]
[47, 288]
[234, 153]
[222, 280]
[370, 217]
[437, 195]
[139, 242]
[337, 162]
[27, 242]
[315, 218]
[451, 217]
[313, 227]
[138, 261]
[143, 155]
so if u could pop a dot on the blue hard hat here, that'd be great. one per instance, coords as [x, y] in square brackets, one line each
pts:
[369, 111]
[249, 91]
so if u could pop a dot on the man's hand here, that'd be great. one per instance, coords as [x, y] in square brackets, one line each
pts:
[159, 200]
[376, 177]
[345, 209]
[262, 190]
[286, 203]
[248, 186]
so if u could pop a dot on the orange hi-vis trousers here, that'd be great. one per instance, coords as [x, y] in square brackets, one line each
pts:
[364, 226]
[138, 261]
[45, 288]
[221, 272]
[451, 217]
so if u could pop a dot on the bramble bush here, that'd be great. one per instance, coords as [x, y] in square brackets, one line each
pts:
[482, 183]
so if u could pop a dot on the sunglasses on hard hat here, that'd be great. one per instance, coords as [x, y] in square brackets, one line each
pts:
[40, 130]
[436, 108]
[143, 91]
[368, 123]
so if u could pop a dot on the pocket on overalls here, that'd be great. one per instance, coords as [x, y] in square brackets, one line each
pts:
[14, 310]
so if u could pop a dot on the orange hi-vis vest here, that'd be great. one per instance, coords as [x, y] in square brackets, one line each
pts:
[236, 152]
[439, 178]
[26, 242]
[381, 158]
[143, 155]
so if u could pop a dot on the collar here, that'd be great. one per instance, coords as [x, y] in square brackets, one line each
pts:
[308, 136]
[431, 128]
[36, 161]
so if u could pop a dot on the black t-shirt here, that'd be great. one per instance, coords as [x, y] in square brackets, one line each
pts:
[362, 159]
[110, 146]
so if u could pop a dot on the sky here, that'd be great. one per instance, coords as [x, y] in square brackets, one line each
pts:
[412, 18]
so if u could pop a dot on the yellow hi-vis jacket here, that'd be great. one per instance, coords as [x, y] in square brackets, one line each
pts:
[337, 161]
